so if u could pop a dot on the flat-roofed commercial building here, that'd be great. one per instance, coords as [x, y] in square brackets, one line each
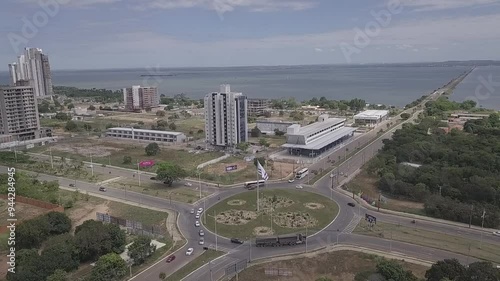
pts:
[371, 117]
[268, 127]
[317, 138]
[146, 135]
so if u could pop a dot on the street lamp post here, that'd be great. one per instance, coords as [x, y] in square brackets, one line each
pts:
[138, 174]
[215, 220]
[91, 165]
[51, 159]
[199, 181]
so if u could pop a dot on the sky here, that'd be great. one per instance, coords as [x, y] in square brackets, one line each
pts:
[105, 34]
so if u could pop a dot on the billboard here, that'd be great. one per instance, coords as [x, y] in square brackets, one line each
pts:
[146, 163]
[231, 168]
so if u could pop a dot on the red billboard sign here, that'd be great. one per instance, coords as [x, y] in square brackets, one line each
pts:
[146, 163]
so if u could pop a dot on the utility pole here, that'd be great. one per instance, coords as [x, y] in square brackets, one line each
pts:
[211, 277]
[258, 205]
[91, 165]
[470, 220]
[199, 181]
[482, 226]
[307, 238]
[215, 219]
[51, 160]
[249, 250]
[139, 174]
[379, 201]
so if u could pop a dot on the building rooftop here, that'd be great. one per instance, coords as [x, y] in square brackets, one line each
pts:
[275, 122]
[147, 131]
[317, 126]
[371, 114]
[324, 140]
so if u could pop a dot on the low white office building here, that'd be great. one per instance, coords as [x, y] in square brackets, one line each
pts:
[317, 138]
[268, 127]
[371, 117]
[146, 135]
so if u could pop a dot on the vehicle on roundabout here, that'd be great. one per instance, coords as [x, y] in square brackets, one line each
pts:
[291, 180]
[299, 187]
[202, 241]
[351, 204]
[201, 232]
[496, 233]
[197, 216]
[192, 211]
[197, 223]
[170, 259]
[236, 241]
[189, 251]
[281, 240]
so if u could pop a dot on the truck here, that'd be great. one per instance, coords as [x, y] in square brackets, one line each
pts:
[280, 240]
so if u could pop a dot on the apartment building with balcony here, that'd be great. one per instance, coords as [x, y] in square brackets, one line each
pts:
[140, 98]
[19, 112]
[226, 118]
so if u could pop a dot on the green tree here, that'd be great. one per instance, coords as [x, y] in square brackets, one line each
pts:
[261, 160]
[59, 223]
[282, 113]
[278, 133]
[127, 159]
[405, 116]
[62, 116]
[110, 267]
[58, 275]
[169, 172]
[169, 107]
[391, 270]
[480, 271]
[255, 132]
[31, 233]
[61, 253]
[93, 239]
[118, 238]
[263, 142]
[87, 127]
[172, 126]
[160, 113]
[91, 108]
[141, 249]
[162, 275]
[152, 149]
[243, 146]
[448, 268]
[71, 126]
[70, 106]
[28, 266]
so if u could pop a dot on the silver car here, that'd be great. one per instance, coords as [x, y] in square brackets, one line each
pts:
[202, 241]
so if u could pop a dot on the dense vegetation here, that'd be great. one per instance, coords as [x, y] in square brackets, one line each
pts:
[97, 95]
[342, 105]
[460, 174]
[180, 100]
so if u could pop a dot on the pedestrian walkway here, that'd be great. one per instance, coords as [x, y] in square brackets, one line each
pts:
[352, 225]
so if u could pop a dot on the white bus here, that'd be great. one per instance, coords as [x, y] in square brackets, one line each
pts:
[302, 173]
[253, 184]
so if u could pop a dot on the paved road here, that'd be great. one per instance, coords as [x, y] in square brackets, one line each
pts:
[340, 230]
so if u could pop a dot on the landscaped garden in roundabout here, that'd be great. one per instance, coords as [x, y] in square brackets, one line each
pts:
[282, 211]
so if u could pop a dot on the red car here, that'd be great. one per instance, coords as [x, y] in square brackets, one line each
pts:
[170, 258]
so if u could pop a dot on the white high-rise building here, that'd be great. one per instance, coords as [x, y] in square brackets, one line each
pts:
[139, 98]
[33, 66]
[226, 117]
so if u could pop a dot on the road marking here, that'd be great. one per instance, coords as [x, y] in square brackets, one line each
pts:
[352, 225]
[108, 181]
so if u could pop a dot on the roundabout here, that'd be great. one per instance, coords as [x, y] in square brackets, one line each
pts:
[281, 211]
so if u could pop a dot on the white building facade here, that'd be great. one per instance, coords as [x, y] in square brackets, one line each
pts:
[146, 135]
[371, 118]
[33, 66]
[226, 118]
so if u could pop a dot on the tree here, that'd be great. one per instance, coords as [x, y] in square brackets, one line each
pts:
[31, 233]
[169, 107]
[60, 253]
[162, 275]
[255, 132]
[71, 126]
[59, 223]
[172, 126]
[58, 275]
[28, 265]
[91, 108]
[93, 239]
[62, 116]
[160, 113]
[70, 106]
[263, 142]
[448, 268]
[405, 116]
[480, 271]
[127, 159]
[282, 113]
[169, 172]
[110, 267]
[152, 149]
[87, 127]
[278, 132]
[391, 270]
[118, 238]
[141, 249]
[261, 160]
[243, 146]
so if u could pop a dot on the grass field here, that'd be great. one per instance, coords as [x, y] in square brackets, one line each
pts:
[109, 152]
[432, 239]
[177, 193]
[195, 264]
[337, 266]
[245, 231]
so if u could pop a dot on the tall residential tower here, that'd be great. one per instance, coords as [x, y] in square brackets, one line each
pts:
[139, 98]
[226, 118]
[33, 66]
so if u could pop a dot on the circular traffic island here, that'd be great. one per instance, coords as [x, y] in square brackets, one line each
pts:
[281, 211]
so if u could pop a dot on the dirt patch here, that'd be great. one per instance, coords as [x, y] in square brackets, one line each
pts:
[262, 231]
[86, 149]
[23, 211]
[236, 202]
[337, 266]
[314, 206]
[87, 212]
[235, 217]
[294, 220]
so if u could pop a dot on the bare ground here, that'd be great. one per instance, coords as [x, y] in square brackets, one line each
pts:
[87, 212]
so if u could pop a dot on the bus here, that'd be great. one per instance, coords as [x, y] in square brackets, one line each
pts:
[302, 173]
[253, 184]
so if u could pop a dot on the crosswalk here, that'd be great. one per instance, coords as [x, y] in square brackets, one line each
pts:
[352, 225]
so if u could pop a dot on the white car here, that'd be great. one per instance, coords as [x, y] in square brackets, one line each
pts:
[188, 184]
[197, 216]
[196, 223]
[291, 180]
[192, 211]
[202, 233]
[200, 210]
[202, 241]
[299, 187]
[189, 251]
[496, 233]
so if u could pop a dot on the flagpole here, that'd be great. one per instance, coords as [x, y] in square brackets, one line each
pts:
[258, 207]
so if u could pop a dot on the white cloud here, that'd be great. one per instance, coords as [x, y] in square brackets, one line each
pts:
[430, 5]
[318, 50]
[222, 6]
